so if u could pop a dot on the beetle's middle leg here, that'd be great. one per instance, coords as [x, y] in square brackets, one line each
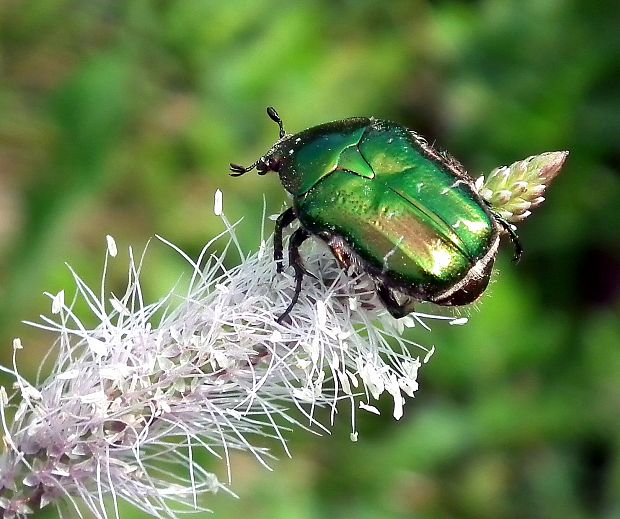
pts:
[396, 309]
[299, 236]
[284, 220]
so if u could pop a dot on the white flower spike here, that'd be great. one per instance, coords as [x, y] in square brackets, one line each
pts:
[131, 401]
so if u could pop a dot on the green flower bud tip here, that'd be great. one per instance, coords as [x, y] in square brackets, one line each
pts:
[513, 191]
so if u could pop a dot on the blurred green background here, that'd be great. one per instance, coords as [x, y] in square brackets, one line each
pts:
[121, 117]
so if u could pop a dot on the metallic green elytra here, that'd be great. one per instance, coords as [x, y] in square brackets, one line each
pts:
[389, 204]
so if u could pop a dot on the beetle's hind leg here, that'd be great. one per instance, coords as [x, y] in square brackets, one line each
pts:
[512, 234]
[299, 236]
[284, 220]
[396, 308]
[514, 237]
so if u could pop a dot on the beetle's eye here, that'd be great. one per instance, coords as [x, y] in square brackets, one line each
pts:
[273, 164]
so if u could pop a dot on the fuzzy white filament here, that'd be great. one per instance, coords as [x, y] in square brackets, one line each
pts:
[131, 401]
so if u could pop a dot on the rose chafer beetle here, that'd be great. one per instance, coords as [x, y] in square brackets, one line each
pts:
[386, 202]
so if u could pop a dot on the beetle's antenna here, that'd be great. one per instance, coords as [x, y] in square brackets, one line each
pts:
[273, 115]
[238, 170]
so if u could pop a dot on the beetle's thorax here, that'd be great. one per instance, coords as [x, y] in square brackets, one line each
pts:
[304, 158]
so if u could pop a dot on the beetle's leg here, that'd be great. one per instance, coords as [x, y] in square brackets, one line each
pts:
[396, 309]
[514, 237]
[284, 220]
[299, 236]
[512, 234]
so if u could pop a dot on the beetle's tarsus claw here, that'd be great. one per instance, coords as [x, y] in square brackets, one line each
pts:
[299, 276]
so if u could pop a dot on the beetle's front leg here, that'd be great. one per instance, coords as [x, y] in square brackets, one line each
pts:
[284, 220]
[299, 236]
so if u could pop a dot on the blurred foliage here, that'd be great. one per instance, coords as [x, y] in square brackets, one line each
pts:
[121, 117]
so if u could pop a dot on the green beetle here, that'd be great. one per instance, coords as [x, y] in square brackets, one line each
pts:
[386, 202]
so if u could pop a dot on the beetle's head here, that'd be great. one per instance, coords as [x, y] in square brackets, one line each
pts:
[271, 160]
